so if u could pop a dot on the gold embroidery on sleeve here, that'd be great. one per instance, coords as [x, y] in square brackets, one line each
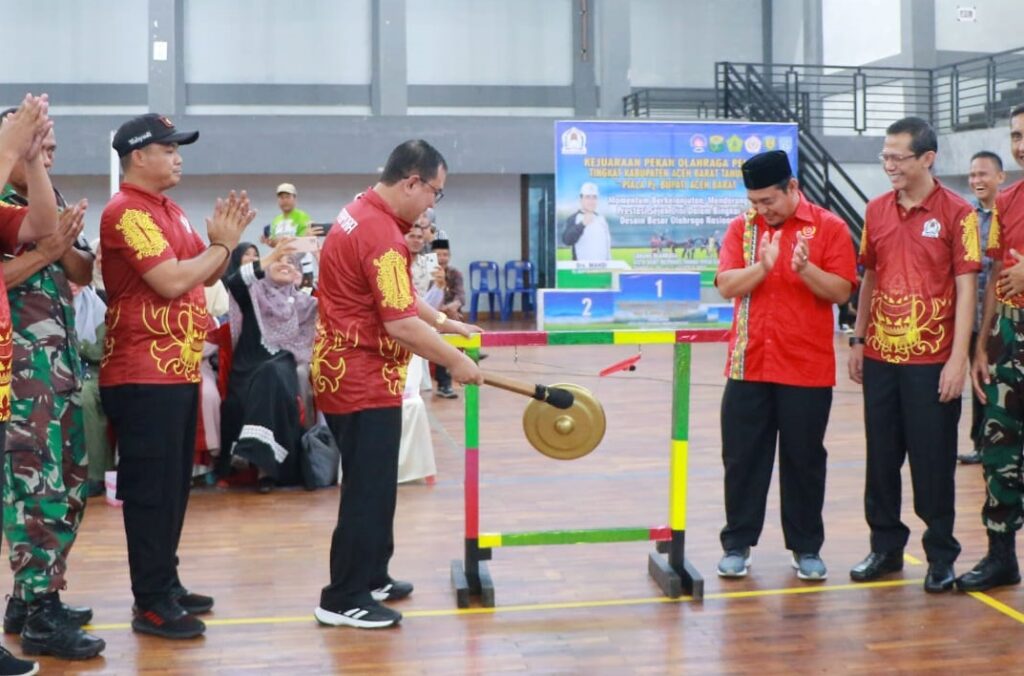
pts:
[393, 280]
[864, 238]
[141, 233]
[970, 238]
[993, 231]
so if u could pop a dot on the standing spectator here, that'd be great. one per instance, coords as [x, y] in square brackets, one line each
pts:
[781, 366]
[985, 177]
[370, 323]
[448, 294]
[155, 265]
[999, 381]
[45, 464]
[921, 257]
[292, 221]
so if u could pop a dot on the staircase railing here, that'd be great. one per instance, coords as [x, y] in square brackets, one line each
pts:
[744, 94]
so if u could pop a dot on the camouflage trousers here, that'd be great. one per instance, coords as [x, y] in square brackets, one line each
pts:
[45, 488]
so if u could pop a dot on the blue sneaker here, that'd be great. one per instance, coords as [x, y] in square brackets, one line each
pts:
[734, 563]
[809, 567]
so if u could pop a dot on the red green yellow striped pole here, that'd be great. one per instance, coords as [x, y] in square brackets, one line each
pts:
[678, 463]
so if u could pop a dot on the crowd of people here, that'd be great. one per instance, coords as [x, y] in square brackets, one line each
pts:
[85, 358]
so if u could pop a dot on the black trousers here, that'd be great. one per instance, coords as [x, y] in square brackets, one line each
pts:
[753, 416]
[977, 408]
[904, 418]
[156, 432]
[444, 378]
[363, 540]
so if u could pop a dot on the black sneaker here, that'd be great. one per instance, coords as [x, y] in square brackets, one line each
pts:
[49, 631]
[12, 666]
[17, 612]
[369, 616]
[194, 604]
[167, 619]
[392, 591]
[446, 393]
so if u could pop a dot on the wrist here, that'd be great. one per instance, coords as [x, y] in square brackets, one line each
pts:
[857, 341]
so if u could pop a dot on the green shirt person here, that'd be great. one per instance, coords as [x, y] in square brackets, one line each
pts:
[291, 222]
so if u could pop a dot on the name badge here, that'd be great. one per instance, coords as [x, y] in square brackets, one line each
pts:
[932, 228]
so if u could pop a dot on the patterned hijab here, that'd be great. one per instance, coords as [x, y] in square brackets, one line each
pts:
[285, 315]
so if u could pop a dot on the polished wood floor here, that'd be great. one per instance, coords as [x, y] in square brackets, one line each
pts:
[576, 609]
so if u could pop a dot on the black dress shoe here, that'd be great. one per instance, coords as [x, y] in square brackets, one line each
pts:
[940, 577]
[972, 458]
[17, 613]
[48, 631]
[876, 565]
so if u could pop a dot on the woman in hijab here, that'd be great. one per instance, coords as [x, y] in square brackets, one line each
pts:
[272, 328]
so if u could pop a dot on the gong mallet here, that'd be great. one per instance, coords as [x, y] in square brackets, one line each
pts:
[555, 396]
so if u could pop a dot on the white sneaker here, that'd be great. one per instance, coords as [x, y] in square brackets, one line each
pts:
[370, 616]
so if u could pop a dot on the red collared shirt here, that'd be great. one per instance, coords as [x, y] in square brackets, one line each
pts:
[1007, 232]
[150, 340]
[781, 332]
[916, 256]
[364, 282]
[10, 223]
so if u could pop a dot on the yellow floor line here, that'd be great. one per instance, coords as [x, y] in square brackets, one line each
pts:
[912, 559]
[998, 605]
[568, 605]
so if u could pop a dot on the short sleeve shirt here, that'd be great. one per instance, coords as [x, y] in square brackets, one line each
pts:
[1007, 232]
[364, 282]
[295, 224]
[150, 339]
[916, 255]
[10, 222]
[781, 332]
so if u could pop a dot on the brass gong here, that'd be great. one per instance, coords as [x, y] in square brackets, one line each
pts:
[565, 434]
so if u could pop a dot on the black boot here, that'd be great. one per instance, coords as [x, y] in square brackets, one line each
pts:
[17, 612]
[998, 568]
[49, 631]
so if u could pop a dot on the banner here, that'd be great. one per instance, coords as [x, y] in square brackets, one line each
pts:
[653, 195]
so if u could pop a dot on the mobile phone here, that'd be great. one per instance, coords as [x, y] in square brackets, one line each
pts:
[431, 261]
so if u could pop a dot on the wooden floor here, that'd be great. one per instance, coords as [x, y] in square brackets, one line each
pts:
[576, 609]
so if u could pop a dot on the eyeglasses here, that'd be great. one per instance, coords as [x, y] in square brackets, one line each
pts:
[886, 158]
[438, 192]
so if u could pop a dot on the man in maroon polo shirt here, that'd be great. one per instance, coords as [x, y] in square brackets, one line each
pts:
[154, 267]
[921, 258]
[371, 321]
[785, 262]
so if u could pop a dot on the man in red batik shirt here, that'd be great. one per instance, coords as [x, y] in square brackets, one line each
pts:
[786, 262]
[371, 321]
[921, 258]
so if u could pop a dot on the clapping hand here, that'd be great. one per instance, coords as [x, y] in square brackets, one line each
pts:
[768, 250]
[22, 132]
[1011, 279]
[230, 217]
[69, 228]
[800, 253]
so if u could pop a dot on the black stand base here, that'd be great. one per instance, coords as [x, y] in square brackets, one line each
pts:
[469, 585]
[675, 582]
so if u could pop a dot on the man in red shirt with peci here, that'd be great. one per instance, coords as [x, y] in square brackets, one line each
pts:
[371, 321]
[154, 267]
[921, 258]
[785, 262]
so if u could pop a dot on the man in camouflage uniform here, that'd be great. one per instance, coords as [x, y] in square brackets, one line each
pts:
[45, 463]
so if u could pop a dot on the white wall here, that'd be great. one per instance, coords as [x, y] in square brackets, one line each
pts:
[855, 32]
[675, 43]
[489, 42]
[998, 26]
[98, 41]
[481, 213]
[788, 29]
[270, 42]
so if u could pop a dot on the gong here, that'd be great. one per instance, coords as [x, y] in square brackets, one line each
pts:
[565, 434]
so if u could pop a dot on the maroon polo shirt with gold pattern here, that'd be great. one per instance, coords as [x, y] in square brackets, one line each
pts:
[150, 339]
[364, 282]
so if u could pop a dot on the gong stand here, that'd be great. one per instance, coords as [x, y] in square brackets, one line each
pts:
[556, 433]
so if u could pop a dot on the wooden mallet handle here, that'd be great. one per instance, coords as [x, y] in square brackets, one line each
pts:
[555, 396]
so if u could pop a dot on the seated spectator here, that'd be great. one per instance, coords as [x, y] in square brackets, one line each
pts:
[272, 327]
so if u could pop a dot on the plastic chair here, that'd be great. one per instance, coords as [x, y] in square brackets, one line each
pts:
[484, 281]
[519, 279]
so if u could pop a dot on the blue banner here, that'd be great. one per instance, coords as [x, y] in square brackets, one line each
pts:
[653, 195]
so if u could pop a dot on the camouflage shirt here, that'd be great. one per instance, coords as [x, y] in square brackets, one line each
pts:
[45, 344]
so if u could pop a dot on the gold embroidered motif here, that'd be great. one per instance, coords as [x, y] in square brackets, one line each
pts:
[141, 233]
[112, 319]
[993, 231]
[904, 327]
[6, 355]
[177, 349]
[327, 366]
[396, 364]
[864, 238]
[970, 238]
[393, 280]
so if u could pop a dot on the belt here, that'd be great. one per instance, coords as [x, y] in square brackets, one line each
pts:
[1014, 314]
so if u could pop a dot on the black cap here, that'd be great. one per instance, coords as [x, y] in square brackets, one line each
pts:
[766, 170]
[440, 244]
[139, 132]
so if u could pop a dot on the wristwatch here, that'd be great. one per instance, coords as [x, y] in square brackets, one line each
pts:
[856, 340]
[440, 319]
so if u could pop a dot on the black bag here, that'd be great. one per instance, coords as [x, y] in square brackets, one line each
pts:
[320, 457]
